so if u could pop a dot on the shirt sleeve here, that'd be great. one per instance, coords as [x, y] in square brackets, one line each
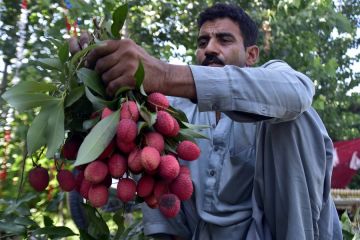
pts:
[273, 91]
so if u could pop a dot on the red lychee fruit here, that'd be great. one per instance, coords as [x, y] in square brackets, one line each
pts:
[39, 178]
[66, 180]
[98, 195]
[188, 150]
[107, 151]
[3, 174]
[117, 165]
[125, 147]
[182, 186]
[96, 171]
[150, 158]
[151, 201]
[84, 188]
[129, 110]
[145, 185]
[175, 130]
[169, 205]
[160, 188]
[164, 123]
[106, 112]
[184, 170]
[134, 161]
[126, 130]
[169, 167]
[154, 139]
[71, 147]
[157, 101]
[126, 189]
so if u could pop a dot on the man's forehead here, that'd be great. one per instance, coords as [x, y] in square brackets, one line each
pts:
[222, 25]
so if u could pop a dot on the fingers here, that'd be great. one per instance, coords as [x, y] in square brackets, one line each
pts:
[115, 85]
[74, 46]
[101, 51]
[85, 39]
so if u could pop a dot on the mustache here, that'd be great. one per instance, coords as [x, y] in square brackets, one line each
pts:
[209, 59]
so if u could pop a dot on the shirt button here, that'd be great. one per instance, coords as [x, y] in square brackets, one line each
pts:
[213, 125]
[212, 173]
[216, 148]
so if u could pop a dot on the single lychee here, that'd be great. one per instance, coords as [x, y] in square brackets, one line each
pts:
[169, 167]
[154, 139]
[160, 188]
[151, 201]
[125, 147]
[126, 189]
[145, 185]
[66, 180]
[164, 123]
[150, 158]
[126, 130]
[117, 165]
[157, 101]
[169, 205]
[176, 128]
[96, 171]
[106, 112]
[71, 147]
[84, 188]
[129, 110]
[98, 195]
[134, 161]
[188, 150]
[39, 178]
[107, 151]
[182, 186]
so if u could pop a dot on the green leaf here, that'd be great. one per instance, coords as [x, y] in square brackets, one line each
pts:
[99, 103]
[25, 221]
[49, 63]
[36, 135]
[141, 125]
[119, 220]
[55, 130]
[29, 87]
[148, 116]
[85, 236]
[54, 232]
[98, 139]
[192, 126]
[88, 124]
[64, 52]
[97, 226]
[139, 75]
[10, 227]
[48, 221]
[91, 80]
[74, 95]
[75, 59]
[178, 114]
[122, 90]
[119, 17]
[26, 101]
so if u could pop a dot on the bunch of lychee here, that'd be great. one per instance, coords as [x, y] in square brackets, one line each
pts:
[144, 167]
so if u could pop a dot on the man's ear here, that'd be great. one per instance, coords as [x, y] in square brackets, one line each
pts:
[252, 55]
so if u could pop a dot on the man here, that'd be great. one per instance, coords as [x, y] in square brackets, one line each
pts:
[265, 171]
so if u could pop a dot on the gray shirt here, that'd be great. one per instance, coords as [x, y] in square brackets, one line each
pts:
[264, 172]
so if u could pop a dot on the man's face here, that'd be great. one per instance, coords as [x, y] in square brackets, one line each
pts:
[220, 43]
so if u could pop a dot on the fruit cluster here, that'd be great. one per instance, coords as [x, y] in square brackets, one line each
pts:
[140, 161]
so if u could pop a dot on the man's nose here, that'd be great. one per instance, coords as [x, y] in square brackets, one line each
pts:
[212, 48]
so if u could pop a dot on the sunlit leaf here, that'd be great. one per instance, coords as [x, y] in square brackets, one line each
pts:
[119, 17]
[54, 232]
[55, 131]
[29, 87]
[63, 52]
[49, 63]
[26, 101]
[98, 139]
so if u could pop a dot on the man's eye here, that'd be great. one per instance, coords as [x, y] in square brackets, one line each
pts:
[202, 43]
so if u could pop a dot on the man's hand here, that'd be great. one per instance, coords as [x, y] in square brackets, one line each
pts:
[117, 61]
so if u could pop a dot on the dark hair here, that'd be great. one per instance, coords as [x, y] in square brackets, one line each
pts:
[247, 26]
